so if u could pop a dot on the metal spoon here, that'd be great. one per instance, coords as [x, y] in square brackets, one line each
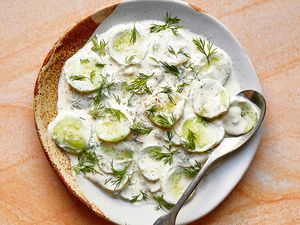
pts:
[228, 145]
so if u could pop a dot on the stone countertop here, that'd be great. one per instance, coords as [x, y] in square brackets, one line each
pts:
[269, 193]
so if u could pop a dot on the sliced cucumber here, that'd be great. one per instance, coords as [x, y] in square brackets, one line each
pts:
[71, 131]
[150, 167]
[126, 47]
[165, 112]
[174, 184]
[135, 191]
[241, 117]
[220, 67]
[172, 49]
[83, 71]
[113, 156]
[111, 128]
[199, 135]
[209, 98]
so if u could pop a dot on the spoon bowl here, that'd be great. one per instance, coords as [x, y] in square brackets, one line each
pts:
[227, 146]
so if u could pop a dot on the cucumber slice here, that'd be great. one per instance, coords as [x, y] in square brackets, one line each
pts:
[151, 168]
[205, 134]
[71, 131]
[165, 112]
[220, 67]
[174, 184]
[126, 49]
[111, 128]
[109, 182]
[209, 98]
[135, 191]
[83, 71]
[117, 157]
[172, 49]
[241, 117]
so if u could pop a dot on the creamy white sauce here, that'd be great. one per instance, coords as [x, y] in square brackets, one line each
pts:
[135, 106]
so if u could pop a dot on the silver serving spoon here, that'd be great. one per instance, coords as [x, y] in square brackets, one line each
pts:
[228, 145]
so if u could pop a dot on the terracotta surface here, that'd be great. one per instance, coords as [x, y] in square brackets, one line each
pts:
[31, 193]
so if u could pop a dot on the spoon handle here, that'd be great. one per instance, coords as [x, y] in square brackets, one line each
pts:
[170, 218]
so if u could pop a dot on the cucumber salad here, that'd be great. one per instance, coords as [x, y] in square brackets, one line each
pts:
[141, 107]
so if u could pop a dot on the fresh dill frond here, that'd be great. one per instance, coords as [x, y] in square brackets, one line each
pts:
[205, 49]
[105, 86]
[96, 112]
[162, 204]
[193, 170]
[100, 65]
[202, 120]
[171, 23]
[136, 197]
[129, 59]
[139, 85]
[92, 75]
[84, 61]
[117, 98]
[152, 110]
[170, 68]
[78, 77]
[181, 86]
[168, 91]
[189, 143]
[180, 51]
[134, 34]
[157, 154]
[172, 51]
[115, 112]
[140, 129]
[99, 48]
[86, 162]
[119, 175]
[154, 59]
[164, 121]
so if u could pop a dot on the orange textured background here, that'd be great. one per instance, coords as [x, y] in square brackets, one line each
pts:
[31, 193]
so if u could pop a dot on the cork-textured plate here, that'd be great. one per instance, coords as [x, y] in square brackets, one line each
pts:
[219, 182]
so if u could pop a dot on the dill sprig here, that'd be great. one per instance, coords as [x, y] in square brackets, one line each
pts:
[99, 48]
[139, 85]
[134, 34]
[170, 23]
[193, 170]
[86, 162]
[115, 112]
[100, 92]
[78, 77]
[154, 59]
[100, 65]
[136, 197]
[84, 61]
[162, 204]
[119, 175]
[208, 51]
[96, 112]
[161, 119]
[165, 121]
[180, 51]
[189, 143]
[129, 59]
[157, 154]
[117, 98]
[181, 86]
[170, 68]
[140, 129]
[168, 91]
